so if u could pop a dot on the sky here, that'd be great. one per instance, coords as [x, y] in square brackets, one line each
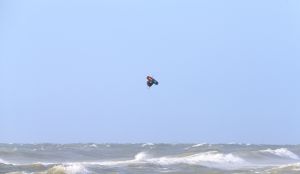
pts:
[75, 71]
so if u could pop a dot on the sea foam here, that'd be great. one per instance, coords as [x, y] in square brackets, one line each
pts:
[199, 145]
[147, 144]
[282, 152]
[287, 168]
[71, 168]
[3, 161]
[208, 159]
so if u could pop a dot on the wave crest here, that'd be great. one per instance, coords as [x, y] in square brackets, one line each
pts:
[287, 168]
[141, 156]
[282, 152]
[199, 145]
[148, 144]
[68, 169]
[208, 159]
[3, 161]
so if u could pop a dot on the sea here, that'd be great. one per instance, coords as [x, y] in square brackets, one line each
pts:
[149, 158]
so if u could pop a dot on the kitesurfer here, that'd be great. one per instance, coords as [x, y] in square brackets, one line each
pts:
[151, 81]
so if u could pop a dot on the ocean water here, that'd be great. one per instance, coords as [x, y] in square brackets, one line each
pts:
[149, 159]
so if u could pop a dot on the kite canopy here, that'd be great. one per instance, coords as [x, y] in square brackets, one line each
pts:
[151, 81]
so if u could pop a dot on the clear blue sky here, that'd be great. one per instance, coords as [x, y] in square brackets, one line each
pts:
[74, 71]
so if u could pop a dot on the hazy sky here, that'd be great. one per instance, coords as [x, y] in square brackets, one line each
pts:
[74, 71]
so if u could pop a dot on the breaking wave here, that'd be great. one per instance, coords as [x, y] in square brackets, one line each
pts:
[282, 152]
[71, 169]
[60, 169]
[93, 145]
[207, 159]
[199, 145]
[148, 144]
[149, 158]
[3, 161]
[141, 156]
[285, 168]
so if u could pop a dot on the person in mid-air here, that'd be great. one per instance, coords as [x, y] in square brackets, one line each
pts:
[151, 81]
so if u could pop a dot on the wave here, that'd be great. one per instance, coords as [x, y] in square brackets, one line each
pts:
[138, 158]
[74, 169]
[295, 166]
[93, 145]
[199, 145]
[141, 156]
[282, 152]
[210, 159]
[287, 168]
[4, 162]
[148, 144]
[71, 168]
[207, 159]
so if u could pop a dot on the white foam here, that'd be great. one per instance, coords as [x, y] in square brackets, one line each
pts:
[199, 145]
[295, 166]
[282, 152]
[94, 145]
[281, 168]
[147, 144]
[75, 169]
[141, 156]
[195, 145]
[3, 161]
[209, 159]
[138, 158]
[70, 168]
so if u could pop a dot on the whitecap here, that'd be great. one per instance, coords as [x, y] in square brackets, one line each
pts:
[195, 145]
[141, 156]
[3, 161]
[282, 152]
[75, 169]
[147, 144]
[94, 145]
[209, 159]
[199, 145]
[285, 168]
[71, 168]
[138, 158]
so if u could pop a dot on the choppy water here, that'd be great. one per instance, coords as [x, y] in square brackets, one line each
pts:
[149, 158]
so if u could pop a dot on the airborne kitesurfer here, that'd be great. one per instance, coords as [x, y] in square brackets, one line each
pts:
[151, 81]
